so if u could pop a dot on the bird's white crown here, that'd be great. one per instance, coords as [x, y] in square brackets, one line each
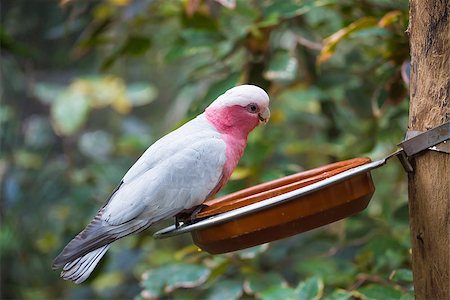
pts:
[242, 95]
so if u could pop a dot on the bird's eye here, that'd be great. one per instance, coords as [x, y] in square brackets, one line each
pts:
[253, 108]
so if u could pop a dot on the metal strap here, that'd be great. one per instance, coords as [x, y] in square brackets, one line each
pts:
[417, 141]
[436, 139]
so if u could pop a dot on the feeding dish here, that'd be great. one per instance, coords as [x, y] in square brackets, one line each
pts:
[282, 207]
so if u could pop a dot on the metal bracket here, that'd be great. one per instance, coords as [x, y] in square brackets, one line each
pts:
[417, 141]
[405, 161]
[435, 139]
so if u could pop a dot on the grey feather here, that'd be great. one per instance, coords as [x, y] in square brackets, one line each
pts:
[96, 235]
[80, 269]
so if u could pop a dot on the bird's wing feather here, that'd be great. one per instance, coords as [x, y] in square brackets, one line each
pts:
[169, 144]
[177, 172]
[96, 235]
[179, 182]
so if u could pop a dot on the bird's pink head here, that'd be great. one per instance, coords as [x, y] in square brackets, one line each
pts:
[239, 110]
[234, 114]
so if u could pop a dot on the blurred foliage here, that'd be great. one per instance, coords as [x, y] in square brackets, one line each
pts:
[88, 85]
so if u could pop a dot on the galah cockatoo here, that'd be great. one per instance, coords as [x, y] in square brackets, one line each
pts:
[178, 172]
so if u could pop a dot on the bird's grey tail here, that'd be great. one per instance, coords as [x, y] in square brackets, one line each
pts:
[82, 254]
[79, 269]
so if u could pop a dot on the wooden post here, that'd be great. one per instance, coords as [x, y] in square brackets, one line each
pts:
[429, 185]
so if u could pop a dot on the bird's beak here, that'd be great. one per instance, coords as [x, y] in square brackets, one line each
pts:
[264, 116]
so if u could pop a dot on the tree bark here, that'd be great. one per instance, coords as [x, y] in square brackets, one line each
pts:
[429, 185]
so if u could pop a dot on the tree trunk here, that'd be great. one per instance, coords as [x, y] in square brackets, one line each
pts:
[429, 185]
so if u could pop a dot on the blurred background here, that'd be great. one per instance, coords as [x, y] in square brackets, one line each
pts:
[87, 86]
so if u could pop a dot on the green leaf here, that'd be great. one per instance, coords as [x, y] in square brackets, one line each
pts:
[390, 18]
[302, 99]
[252, 252]
[255, 284]
[376, 292]
[371, 31]
[107, 281]
[226, 289]
[133, 144]
[338, 294]
[407, 296]
[6, 114]
[170, 277]
[46, 242]
[27, 159]
[141, 93]
[10, 44]
[200, 21]
[38, 133]
[221, 86]
[282, 66]
[230, 4]
[8, 240]
[135, 45]
[69, 112]
[97, 145]
[382, 251]
[240, 173]
[185, 276]
[236, 24]
[179, 51]
[99, 91]
[333, 40]
[279, 292]
[404, 275]
[326, 268]
[289, 9]
[109, 61]
[199, 38]
[47, 92]
[310, 289]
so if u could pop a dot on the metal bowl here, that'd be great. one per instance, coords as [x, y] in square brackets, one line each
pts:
[282, 207]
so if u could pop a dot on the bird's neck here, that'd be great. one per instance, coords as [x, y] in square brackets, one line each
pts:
[234, 125]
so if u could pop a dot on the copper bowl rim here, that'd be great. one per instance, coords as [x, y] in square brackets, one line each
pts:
[267, 203]
[276, 187]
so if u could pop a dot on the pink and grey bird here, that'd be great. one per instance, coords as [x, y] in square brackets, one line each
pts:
[178, 172]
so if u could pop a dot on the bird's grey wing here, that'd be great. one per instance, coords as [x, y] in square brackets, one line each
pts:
[168, 145]
[179, 182]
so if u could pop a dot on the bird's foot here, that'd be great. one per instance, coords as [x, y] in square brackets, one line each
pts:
[178, 222]
[196, 211]
[188, 216]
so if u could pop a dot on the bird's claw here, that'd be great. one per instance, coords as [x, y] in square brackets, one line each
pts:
[179, 221]
[188, 216]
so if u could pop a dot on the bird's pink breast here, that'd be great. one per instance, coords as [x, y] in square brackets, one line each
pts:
[234, 124]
